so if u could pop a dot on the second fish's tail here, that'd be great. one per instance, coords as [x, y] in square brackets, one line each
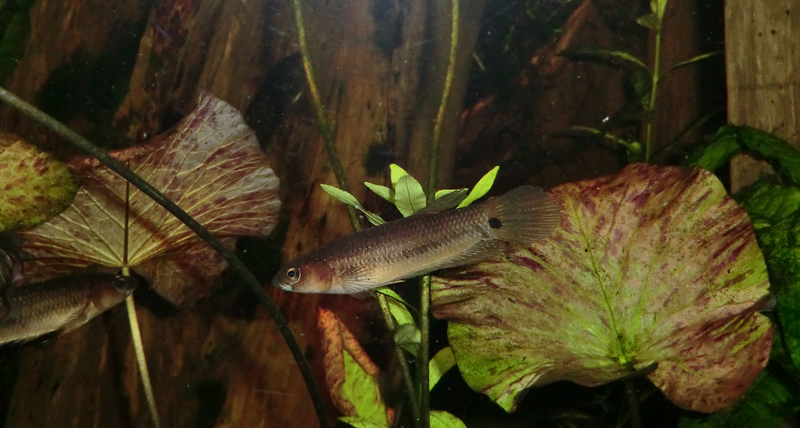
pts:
[524, 215]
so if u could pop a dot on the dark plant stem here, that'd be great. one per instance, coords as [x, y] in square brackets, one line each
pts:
[326, 130]
[423, 355]
[633, 402]
[238, 267]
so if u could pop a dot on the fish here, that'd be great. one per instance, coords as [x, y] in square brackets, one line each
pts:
[61, 305]
[422, 243]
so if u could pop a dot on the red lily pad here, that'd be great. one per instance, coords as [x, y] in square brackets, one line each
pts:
[34, 186]
[210, 164]
[652, 265]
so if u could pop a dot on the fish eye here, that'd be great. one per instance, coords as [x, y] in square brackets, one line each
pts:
[293, 273]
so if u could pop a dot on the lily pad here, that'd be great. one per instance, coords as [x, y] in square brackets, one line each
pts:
[34, 186]
[652, 265]
[210, 164]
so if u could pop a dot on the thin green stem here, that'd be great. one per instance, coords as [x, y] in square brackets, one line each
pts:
[236, 265]
[448, 83]
[424, 352]
[401, 356]
[648, 141]
[325, 128]
[141, 361]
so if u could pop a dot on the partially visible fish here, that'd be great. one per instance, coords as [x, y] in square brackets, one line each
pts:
[60, 305]
[422, 243]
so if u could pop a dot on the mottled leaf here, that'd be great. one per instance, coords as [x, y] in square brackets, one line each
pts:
[481, 188]
[768, 202]
[652, 265]
[443, 361]
[772, 398]
[34, 186]
[408, 337]
[352, 378]
[210, 164]
[362, 423]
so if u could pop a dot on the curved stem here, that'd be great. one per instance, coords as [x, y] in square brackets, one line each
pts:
[236, 265]
[325, 128]
[141, 361]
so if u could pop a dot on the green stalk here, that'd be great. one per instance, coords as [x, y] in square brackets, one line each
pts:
[236, 265]
[325, 128]
[425, 288]
[138, 348]
[653, 91]
[328, 137]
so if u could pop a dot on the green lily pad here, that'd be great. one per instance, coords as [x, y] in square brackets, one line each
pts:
[34, 186]
[652, 265]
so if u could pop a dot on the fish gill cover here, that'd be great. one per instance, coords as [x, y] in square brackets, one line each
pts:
[210, 164]
[652, 265]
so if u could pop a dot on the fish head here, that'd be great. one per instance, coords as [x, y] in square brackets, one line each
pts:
[308, 277]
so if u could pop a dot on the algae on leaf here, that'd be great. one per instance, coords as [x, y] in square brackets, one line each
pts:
[652, 265]
[34, 186]
[210, 164]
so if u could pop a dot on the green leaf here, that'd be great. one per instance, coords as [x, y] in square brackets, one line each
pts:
[442, 419]
[382, 191]
[767, 202]
[716, 153]
[771, 399]
[408, 337]
[443, 361]
[396, 173]
[692, 60]
[650, 265]
[443, 192]
[350, 374]
[362, 423]
[641, 81]
[783, 156]
[480, 189]
[397, 306]
[34, 186]
[408, 195]
[348, 199]
[649, 21]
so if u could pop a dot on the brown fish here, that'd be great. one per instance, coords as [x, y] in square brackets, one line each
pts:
[422, 243]
[60, 305]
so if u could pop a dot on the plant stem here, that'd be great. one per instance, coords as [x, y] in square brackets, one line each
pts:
[328, 137]
[138, 348]
[424, 352]
[325, 128]
[236, 265]
[633, 403]
[648, 141]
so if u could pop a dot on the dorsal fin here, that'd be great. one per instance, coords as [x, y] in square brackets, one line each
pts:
[444, 203]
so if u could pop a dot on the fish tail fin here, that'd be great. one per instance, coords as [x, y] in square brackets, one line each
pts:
[524, 215]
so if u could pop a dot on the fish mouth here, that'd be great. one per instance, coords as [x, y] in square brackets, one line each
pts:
[282, 286]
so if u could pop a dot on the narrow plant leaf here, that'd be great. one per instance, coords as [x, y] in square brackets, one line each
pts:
[772, 398]
[693, 60]
[609, 53]
[397, 306]
[34, 186]
[442, 419]
[481, 188]
[210, 164]
[652, 265]
[408, 337]
[396, 172]
[349, 373]
[408, 195]
[649, 21]
[382, 191]
[348, 199]
[443, 361]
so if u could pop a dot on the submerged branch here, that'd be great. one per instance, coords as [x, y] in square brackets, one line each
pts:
[236, 265]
